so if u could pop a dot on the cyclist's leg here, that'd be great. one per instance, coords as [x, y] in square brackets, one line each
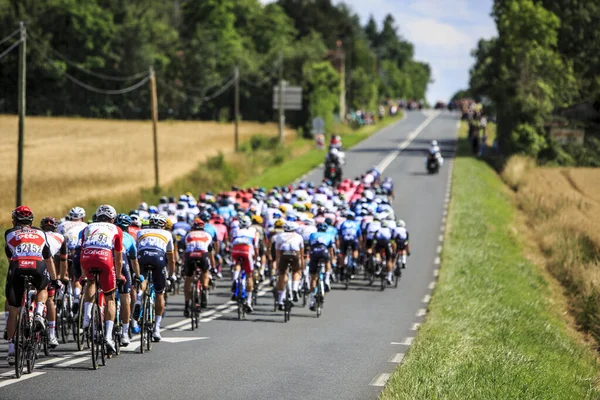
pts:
[107, 281]
[296, 275]
[41, 280]
[14, 294]
[205, 279]
[159, 278]
[75, 274]
[125, 304]
[313, 267]
[238, 251]
[282, 278]
[248, 266]
[51, 316]
[189, 269]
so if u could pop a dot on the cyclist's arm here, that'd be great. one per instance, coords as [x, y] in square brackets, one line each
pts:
[135, 266]
[63, 260]
[211, 253]
[49, 261]
[171, 263]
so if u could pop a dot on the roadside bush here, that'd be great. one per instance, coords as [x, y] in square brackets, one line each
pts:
[525, 139]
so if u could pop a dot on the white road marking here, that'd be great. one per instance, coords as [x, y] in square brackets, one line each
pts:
[437, 261]
[380, 380]
[392, 156]
[421, 312]
[442, 228]
[23, 378]
[436, 272]
[441, 238]
[426, 298]
[407, 341]
[415, 326]
[431, 285]
[396, 358]
[181, 339]
[438, 250]
[177, 324]
[224, 306]
[73, 362]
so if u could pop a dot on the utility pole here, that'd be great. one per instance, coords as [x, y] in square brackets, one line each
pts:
[237, 107]
[154, 103]
[281, 104]
[21, 107]
[342, 60]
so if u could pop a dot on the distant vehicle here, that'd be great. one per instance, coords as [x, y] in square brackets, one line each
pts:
[440, 105]
[433, 165]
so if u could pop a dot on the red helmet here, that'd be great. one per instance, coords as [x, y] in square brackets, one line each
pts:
[22, 215]
[48, 223]
[198, 224]
[219, 219]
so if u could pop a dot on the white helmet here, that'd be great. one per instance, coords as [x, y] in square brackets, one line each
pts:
[76, 213]
[157, 221]
[143, 206]
[434, 143]
[334, 152]
[401, 223]
[289, 226]
[135, 220]
[245, 222]
[107, 211]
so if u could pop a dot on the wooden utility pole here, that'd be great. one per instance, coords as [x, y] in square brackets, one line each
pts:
[237, 107]
[21, 107]
[154, 102]
[281, 103]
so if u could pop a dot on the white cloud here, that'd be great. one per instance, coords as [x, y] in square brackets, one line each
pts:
[434, 34]
[442, 9]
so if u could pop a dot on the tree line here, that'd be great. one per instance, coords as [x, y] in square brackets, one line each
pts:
[545, 59]
[194, 46]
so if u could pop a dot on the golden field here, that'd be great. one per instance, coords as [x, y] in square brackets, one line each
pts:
[562, 206]
[69, 160]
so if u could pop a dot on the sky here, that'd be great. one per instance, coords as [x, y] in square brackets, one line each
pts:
[443, 33]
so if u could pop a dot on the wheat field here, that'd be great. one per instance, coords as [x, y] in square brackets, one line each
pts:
[69, 160]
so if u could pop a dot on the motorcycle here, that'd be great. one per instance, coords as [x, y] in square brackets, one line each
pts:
[433, 164]
[333, 172]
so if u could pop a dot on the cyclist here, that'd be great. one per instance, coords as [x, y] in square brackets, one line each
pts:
[198, 250]
[28, 253]
[272, 239]
[58, 249]
[71, 229]
[350, 233]
[321, 248]
[243, 252]
[102, 248]
[289, 249]
[130, 263]
[383, 244]
[257, 224]
[401, 241]
[155, 255]
[223, 238]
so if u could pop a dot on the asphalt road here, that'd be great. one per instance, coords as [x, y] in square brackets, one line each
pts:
[348, 353]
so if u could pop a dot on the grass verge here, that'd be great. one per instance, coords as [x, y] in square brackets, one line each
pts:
[261, 162]
[491, 331]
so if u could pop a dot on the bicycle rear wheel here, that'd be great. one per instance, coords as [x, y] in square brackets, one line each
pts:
[195, 306]
[21, 342]
[142, 322]
[63, 323]
[94, 333]
[149, 322]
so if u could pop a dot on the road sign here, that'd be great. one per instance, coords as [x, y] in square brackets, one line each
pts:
[292, 97]
[318, 125]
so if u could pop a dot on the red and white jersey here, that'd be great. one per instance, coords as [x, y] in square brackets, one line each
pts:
[248, 236]
[55, 241]
[25, 243]
[71, 230]
[99, 240]
[198, 242]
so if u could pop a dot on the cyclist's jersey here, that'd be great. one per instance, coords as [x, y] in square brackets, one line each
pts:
[133, 230]
[212, 231]
[71, 230]
[181, 228]
[57, 243]
[221, 232]
[289, 241]
[388, 185]
[226, 212]
[273, 234]
[129, 248]
[383, 234]
[26, 244]
[392, 225]
[163, 209]
[367, 219]
[332, 231]
[307, 231]
[271, 212]
[261, 232]
[246, 236]
[320, 240]
[350, 230]
[197, 243]
[400, 234]
[234, 228]
[372, 229]
[158, 240]
[98, 240]
[144, 215]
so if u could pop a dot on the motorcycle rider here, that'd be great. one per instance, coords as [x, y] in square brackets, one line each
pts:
[434, 151]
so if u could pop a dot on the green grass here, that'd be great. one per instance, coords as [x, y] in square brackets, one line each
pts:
[267, 166]
[491, 331]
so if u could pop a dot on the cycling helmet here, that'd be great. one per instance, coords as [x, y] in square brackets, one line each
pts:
[245, 222]
[434, 143]
[279, 224]
[153, 210]
[123, 221]
[182, 205]
[143, 206]
[163, 200]
[157, 221]
[219, 219]
[107, 211]
[198, 225]
[310, 222]
[169, 225]
[292, 218]
[204, 216]
[183, 198]
[401, 223]
[76, 213]
[135, 220]
[385, 224]
[350, 215]
[22, 215]
[257, 219]
[289, 226]
[48, 224]
[171, 199]
[322, 227]
[329, 221]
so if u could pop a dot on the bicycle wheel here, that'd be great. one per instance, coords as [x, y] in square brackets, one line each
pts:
[63, 323]
[101, 337]
[44, 336]
[117, 334]
[149, 323]
[79, 334]
[195, 305]
[93, 332]
[383, 282]
[20, 342]
[142, 323]
[304, 291]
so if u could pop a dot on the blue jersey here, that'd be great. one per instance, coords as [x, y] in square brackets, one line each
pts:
[212, 231]
[226, 212]
[181, 228]
[350, 230]
[332, 230]
[318, 240]
[129, 249]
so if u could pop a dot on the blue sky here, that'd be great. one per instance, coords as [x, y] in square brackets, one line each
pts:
[443, 33]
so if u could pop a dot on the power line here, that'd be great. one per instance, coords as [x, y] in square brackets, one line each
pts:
[11, 48]
[87, 71]
[220, 91]
[270, 75]
[9, 36]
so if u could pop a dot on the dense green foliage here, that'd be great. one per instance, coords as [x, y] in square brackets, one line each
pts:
[194, 46]
[546, 57]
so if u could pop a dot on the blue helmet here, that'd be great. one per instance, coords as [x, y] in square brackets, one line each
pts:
[153, 210]
[322, 227]
[123, 221]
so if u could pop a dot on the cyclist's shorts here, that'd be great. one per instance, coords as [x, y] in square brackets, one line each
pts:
[243, 252]
[262, 249]
[198, 260]
[402, 244]
[349, 244]
[315, 257]
[75, 266]
[14, 282]
[384, 245]
[155, 263]
[369, 243]
[273, 251]
[292, 258]
[107, 279]
[125, 287]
